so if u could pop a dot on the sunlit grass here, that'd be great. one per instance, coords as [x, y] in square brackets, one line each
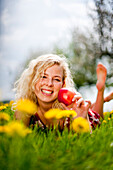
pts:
[55, 150]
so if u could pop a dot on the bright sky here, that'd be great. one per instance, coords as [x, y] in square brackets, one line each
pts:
[31, 25]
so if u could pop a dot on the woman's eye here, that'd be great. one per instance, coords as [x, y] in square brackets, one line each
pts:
[43, 77]
[57, 80]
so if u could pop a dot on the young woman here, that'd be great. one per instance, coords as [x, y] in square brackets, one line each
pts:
[43, 79]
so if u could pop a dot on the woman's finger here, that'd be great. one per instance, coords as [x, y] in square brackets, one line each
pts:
[64, 106]
[88, 103]
[80, 102]
[76, 97]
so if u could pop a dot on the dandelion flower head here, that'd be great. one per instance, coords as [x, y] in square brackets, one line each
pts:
[80, 125]
[58, 114]
[104, 121]
[15, 128]
[2, 107]
[111, 112]
[51, 113]
[4, 116]
[66, 113]
[25, 105]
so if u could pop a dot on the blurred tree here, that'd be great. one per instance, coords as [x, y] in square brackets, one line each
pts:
[102, 17]
[103, 24]
[81, 53]
[85, 51]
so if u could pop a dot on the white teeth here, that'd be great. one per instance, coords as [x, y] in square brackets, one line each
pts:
[48, 92]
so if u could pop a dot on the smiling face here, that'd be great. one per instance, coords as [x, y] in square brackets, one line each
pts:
[48, 86]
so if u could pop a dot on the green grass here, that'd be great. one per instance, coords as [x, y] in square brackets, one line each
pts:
[53, 150]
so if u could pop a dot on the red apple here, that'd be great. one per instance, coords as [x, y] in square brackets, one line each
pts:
[65, 96]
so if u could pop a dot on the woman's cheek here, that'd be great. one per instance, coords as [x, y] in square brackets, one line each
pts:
[37, 85]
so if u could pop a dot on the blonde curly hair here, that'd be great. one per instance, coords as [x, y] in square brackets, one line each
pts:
[25, 85]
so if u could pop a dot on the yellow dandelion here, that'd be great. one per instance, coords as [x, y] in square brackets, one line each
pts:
[6, 104]
[65, 113]
[108, 118]
[11, 102]
[111, 112]
[4, 116]
[80, 125]
[51, 113]
[1, 129]
[58, 114]
[2, 107]
[25, 105]
[105, 113]
[104, 121]
[15, 128]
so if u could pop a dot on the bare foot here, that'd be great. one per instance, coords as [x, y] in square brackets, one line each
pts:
[108, 97]
[101, 76]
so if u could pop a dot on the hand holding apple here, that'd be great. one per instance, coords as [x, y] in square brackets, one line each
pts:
[67, 97]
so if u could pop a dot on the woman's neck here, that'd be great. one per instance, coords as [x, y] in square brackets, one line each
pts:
[44, 107]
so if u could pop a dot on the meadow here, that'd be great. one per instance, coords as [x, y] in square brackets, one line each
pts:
[26, 149]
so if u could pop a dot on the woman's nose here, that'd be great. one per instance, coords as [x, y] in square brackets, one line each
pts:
[50, 82]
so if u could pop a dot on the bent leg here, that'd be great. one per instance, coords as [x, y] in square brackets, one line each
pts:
[108, 97]
[101, 78]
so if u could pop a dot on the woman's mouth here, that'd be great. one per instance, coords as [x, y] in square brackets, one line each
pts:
[46, 92]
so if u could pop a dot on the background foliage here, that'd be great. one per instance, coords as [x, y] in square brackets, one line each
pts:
[85, 50]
